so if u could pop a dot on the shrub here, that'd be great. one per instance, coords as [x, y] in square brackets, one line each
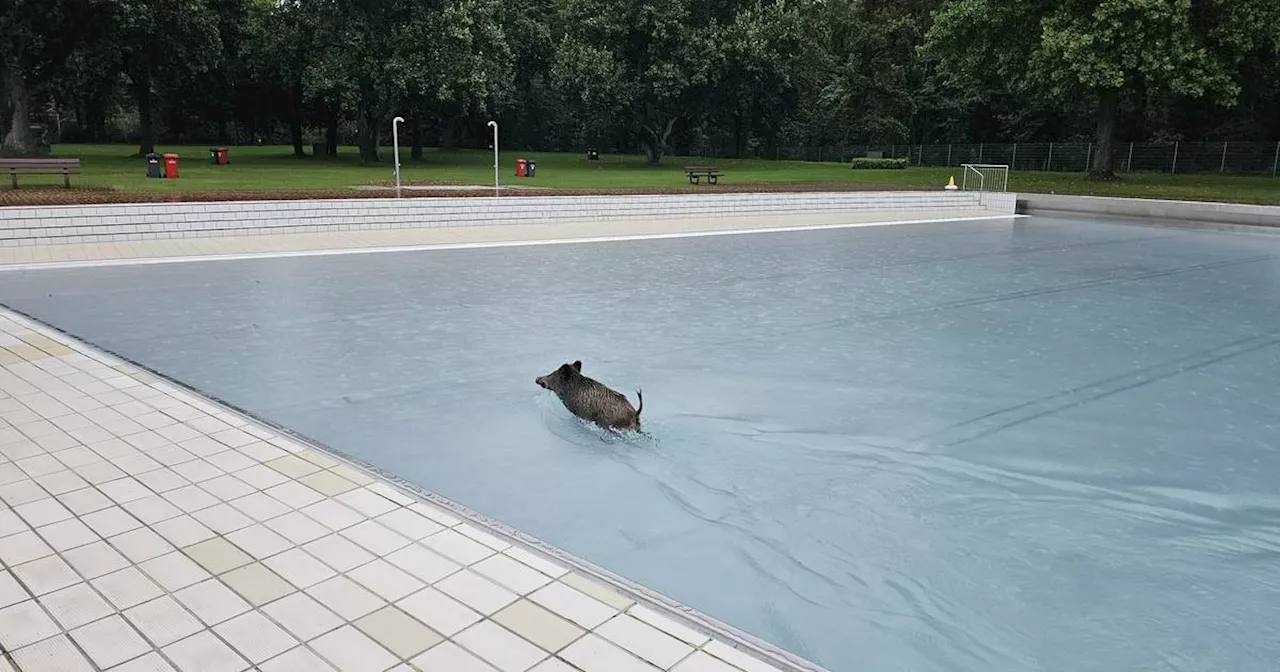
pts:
[879, 164]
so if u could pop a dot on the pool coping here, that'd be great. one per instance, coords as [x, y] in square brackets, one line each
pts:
[740, 640]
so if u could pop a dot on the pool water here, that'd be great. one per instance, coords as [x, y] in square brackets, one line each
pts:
[1028, 444]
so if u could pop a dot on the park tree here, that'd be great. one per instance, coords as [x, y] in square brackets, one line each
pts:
[1099, 49]
[165, 42]
[641, 63]
[36, 39]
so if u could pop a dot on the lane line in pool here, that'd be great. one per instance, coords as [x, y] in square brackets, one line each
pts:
[485, 244]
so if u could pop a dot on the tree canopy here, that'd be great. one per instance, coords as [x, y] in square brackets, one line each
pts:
[737, 78]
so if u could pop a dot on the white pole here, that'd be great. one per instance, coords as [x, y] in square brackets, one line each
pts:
[1174, 168]
[494, 124]
[1223, 168]
[1275, 163]
[395, 143]
[1129, 169]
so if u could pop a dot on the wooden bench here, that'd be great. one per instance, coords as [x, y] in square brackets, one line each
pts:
[696, 172]
[16, 167]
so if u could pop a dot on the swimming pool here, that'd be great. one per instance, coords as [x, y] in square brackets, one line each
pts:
[1001, 445]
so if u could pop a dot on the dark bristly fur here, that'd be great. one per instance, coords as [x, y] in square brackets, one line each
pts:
[590, 400]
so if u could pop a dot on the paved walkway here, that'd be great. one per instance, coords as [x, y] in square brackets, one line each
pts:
[372, 239]
[143, 528]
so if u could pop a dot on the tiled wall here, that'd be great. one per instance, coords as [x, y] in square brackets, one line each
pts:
[105, 223]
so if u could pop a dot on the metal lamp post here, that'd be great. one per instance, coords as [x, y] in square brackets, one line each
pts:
[395, 142]
[494, 124]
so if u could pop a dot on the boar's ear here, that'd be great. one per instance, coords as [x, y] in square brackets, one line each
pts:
[577, 366]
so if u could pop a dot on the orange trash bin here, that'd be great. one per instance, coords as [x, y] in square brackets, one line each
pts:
[522, 165]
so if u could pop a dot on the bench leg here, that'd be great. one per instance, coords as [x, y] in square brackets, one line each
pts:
[66, 178]
[693, 179]
[14, 176]
[712, 179]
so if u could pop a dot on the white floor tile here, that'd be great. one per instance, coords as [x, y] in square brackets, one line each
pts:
[574, 605]
[191, 498]
[75, 606]
[476, 591]
[10, 523]
[255, 637]
[43, 512]
[701, 662]
[140, 545]
[295, 494]
[367, 502]
[259, 541]
[451, 657]
[594, 654]
[24, 623]
[223, 519]
[298, 660]
[16, 549]
[512, 574]
[85, 501]
[338, 552]
[163, 480]
[152, 662]
[737, 658]
[55, 653]
[227, 487]
[426, 565]
[212, 601]
[333, 515]
[126, 588]
[302, 616]
[67, 535]
[350, 650]
[551, 569]
[95, 559]
[457, 547]
[299, 568]
[386, 580]
[345, 597]
[410, 524]
[11, 592]
[124, 490]
[111, 521]
[442, 613]
[110, 641]
[644, 640]
[297, 528]
[375, 538]
[499, 647]
[260, 507]
[174, 571]
[203, 652]
[183, 531]
[163, 621]
[46, 575]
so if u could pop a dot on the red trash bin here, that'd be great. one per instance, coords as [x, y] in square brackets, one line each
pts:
[522, 166]
[222, 156]
[171, 166]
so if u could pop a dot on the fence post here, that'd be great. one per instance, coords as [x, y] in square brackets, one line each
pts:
[819, 153]
[1129, 168]
[920, 156]
[1223, 167]
[1275, 163]
[949, 157]
[980, 147]
[1174, 170]
[1013, 163]
[1088, 156]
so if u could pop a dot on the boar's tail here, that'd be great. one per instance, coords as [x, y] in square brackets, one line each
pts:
[640, 396]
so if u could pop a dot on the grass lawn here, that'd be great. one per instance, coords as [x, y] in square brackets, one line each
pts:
[276, 169]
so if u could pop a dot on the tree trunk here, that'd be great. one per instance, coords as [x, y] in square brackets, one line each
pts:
[1108, 109]
[146, 124]
[18, 139]
[331, 135]
[368, 134]
[416, 126]
[654, 140]
[295, 135]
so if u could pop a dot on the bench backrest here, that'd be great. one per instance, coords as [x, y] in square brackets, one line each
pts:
[39, 163]
[699, 169]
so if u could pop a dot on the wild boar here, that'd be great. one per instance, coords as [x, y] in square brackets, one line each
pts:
[590, 400]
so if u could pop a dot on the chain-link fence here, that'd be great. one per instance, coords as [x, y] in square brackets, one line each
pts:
[1243, 158]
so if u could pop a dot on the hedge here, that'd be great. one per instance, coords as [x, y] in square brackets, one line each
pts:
[879, 164]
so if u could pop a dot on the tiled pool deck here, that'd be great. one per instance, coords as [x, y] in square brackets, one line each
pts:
[145, 528]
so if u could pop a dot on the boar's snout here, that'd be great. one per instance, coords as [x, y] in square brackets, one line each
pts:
[542, 382]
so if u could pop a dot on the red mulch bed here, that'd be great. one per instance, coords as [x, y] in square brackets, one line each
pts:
[92, 196]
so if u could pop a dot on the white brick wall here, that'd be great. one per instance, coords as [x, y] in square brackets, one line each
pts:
[102, 223]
